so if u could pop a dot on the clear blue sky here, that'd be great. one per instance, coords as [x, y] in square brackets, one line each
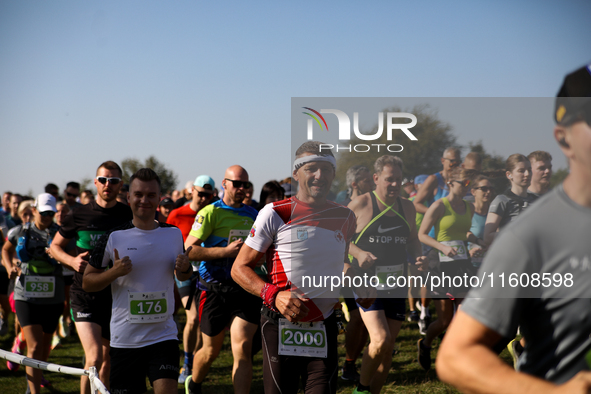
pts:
[204, 85]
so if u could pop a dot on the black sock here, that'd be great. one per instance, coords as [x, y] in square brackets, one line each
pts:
[194, 388]
[349, 364]
[361, 387]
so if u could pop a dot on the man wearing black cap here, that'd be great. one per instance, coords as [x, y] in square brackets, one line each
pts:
[549, 247]
[165, 207]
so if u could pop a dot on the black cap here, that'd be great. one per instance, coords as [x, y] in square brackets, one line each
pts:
[574, 96]
[166, 201]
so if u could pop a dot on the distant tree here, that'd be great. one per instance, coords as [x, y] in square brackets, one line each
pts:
[558, 176]
[86, 184]
[420, 157]
[167, 177]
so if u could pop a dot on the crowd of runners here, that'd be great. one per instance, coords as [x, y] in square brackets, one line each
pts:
[114, 268]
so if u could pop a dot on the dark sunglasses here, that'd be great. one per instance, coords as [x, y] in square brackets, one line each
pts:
[104, 180]
[47, 213]
[73, 195]
[239, 184]
[465, 183]
[484, 188]
[452, 161]
[204, 194]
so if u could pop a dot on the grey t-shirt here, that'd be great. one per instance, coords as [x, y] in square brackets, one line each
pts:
[508, 209]
[40, 265]
[551, 239]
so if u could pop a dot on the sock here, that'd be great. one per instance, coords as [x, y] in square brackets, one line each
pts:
[194, 388]
[189, 359]
[349, 364]
[423, 313]
[361, 387]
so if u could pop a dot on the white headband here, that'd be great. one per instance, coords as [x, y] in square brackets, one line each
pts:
[307, 159]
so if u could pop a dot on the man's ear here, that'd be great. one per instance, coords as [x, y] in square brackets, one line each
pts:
[562, 136]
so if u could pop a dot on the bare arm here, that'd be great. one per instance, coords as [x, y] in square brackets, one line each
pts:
[8, 251]
[466, 361]
[434, 213]
[293, 308]
[58, 251]
[95, 279]
[425, 193]
[200, 253]
[413, 245]
[493, 221]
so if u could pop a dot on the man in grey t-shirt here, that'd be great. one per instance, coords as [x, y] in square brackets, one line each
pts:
[545, 261]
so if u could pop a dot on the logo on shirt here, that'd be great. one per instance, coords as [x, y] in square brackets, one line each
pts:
[339, 236]
[383, 230]
[302, 234]
[199, 219]
[253, 231]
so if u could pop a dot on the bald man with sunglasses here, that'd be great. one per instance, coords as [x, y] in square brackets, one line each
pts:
[217, 235]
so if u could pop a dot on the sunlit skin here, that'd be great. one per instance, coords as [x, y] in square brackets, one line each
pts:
[234, 195]
[143, 200]
[541, 173]
[27, 215]
[14, 203]
[6, 201]
[482, 200]
[450, 160]
[62, 211]
[107, 192]
[315, 179]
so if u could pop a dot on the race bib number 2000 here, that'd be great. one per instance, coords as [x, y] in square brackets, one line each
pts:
[302, 339]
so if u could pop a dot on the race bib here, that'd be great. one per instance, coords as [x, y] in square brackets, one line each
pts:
[238, 234]
[459, 247]
[302, 339]
[39, 286]
[147, 307]
[385, 272]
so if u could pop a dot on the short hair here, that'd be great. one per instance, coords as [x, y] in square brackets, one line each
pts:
[478, 179]
[513, 160]
[269, 188]
[87, 192]
[74, 185]
[312, 147]
[110, 165]
[146, 175]
[387, 160]
[452, 149]
[475, 157]
[24, 205]
[50, 186]
[354, 174]
[539, 155]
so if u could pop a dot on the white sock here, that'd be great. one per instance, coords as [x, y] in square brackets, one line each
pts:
[423, 313]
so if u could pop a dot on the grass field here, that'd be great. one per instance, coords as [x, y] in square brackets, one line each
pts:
[406, 376]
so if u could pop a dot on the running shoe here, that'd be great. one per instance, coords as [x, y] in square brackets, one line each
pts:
[187, 390]
[185, 371]
[45, 383]
[355, 391]
[55, 342]
[423, 355]
[515, 349]
[18, 347]
[349, 373]
[63, 328]
[3, 327]
[413, 316]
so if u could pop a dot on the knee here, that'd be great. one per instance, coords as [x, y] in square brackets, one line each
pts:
[382, 343]
[208, 354]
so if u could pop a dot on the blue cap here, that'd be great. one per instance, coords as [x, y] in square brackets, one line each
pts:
[420, 179]
[203, 180]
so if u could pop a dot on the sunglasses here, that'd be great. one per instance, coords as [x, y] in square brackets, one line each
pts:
[239, 184]
[204, 194]
[74, 195]
[484, 188]
[103, 180]
[452, 161]
[465, 183]
[47, 213]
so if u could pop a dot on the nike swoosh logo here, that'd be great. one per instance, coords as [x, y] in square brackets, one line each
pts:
[383, 230]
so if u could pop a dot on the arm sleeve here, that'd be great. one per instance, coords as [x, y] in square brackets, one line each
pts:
[204, 223]
[498, 206]
[101, 254]
[495, 304]
[264, 230]
[68, 228]
[13, 234]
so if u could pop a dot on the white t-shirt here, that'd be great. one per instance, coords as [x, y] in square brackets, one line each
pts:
[147, 292]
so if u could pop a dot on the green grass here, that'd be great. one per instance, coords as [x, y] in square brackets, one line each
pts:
[406, 376]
